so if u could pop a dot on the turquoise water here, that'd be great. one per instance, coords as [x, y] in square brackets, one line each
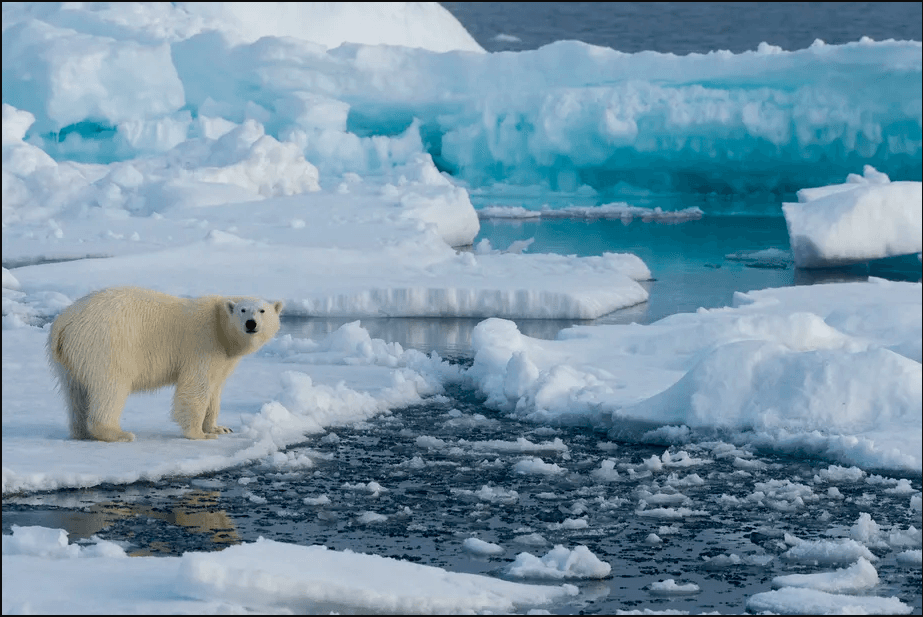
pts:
[695, 264]
[688, 260]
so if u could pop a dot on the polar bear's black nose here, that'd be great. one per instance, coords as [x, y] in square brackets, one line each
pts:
[251, 325]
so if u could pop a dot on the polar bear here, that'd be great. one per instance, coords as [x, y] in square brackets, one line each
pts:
[120, 340]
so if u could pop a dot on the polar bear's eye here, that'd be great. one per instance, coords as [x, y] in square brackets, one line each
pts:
[262, 310]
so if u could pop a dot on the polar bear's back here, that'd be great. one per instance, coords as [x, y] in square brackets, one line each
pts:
[140, 335]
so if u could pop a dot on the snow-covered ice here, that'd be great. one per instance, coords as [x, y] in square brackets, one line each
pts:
[559, 563]
[803, 601]
[868, 217]
[857, 577]
[831, 370]
[263, 576]
[670, 587]
[327, 156]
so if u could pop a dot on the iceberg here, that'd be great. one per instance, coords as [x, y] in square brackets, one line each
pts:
[867, 217]
[565, 116]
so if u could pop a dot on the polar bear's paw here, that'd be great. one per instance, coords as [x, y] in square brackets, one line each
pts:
[219, 430]
[110, 434]
[199, 435]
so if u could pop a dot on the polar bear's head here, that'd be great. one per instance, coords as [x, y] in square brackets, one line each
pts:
[254, 318]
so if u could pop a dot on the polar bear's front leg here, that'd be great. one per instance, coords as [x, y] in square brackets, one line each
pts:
[210, 424]
[190, 405]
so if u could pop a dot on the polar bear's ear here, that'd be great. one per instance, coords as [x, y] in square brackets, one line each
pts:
[229, 305]
[278, 306]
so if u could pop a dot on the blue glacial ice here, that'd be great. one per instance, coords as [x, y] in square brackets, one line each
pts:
[566, 116]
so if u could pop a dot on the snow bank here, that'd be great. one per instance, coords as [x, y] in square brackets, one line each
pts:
[831, 370]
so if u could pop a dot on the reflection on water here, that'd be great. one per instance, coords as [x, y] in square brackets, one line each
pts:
[682, 288]
[87, 513]
[697, 263]
[900, 268]
[447, 336]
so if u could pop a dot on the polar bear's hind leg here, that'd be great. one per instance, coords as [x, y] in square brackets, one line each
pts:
[78, 405]
[105, 408]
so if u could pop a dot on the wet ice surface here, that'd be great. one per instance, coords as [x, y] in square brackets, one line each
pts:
[719, 521]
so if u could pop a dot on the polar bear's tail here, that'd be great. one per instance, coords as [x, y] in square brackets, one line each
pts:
[56, 343]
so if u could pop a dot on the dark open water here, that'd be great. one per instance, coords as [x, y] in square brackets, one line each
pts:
[685, 27]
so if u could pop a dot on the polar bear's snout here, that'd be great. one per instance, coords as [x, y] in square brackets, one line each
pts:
[250, 314]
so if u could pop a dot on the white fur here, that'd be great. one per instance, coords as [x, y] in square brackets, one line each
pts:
[120, 340]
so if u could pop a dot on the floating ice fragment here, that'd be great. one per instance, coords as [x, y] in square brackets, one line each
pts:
[866, 218]
[44, 542]
[427, 441]
[669, 587]
[480, 547]
[535, 465]
[531, 539]
[606, 471]
[571, 524]
[372, 487]
[653, 463]
[668, 530]
[865, 530]
[857, 577]
[368, 517]
[668, 513]
[828, 552]
[911, 558]
[497, 494]
[903, 487]
[560, 563]
[254, 498]
[835, 473]
[803, 601]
